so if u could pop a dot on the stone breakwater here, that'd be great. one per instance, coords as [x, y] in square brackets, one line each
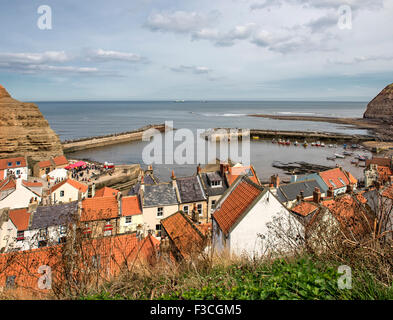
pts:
[70, 146]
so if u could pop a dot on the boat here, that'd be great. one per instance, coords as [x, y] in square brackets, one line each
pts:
[339, 156]
[313, 144]
[318, 144]
[274, 141]
[354, 162]
[108, 165]
[346, 153]
[330, 146]
[331, 158]
[305, 144]
[288, 143]
[255, 137]
[361, 158]
[322, 145]
[295, 143]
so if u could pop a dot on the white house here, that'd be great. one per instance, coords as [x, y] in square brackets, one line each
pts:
[68, 191]
[249, 220]
[7, 230]
[19, 196]
[14, 166]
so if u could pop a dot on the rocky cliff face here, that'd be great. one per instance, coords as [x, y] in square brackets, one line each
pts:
[381, 107]
[24, 131]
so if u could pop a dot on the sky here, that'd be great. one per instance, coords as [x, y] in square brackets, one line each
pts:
[338, 50]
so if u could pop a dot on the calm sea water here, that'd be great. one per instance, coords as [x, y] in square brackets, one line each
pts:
[83, 119]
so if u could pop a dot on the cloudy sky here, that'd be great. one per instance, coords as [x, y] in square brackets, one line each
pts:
[197, 49]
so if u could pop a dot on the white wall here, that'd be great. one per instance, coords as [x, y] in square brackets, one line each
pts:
[23, 172]
[70, 194]
[7, 234]
[246, 238]
[20, 198]
[150, 215]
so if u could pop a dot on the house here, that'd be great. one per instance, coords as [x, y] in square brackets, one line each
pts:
[191, 194]
[14, 166]
[374, 173]
[233, 172]
[245, 221]
[289, 194]
[158, 202]
[20, 218]
[311, 176]
[100, 216]
[104, 192]
[104, 258]
[131, 215]
[339, 180]
[8, 230]
[214, 186]
[49, 225]
[67, 191]
[44, 167]
[185, 238]
[16, 194]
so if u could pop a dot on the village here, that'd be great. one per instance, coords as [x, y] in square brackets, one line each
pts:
[223, 209]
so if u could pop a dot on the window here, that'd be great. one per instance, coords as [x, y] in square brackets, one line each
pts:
[332, 183]
[43, 233]
[9, 164]
[342, 181]
[42, 244]
[199, 208]
[17, 172]
[129, 219]
[185, 209]
[10, 282]
[62, 230]
[62, 239]
[216, 183]
[158, 230]
[213, 204]
[20, 236]
[62, 193]
[18, 163]
[160, 212]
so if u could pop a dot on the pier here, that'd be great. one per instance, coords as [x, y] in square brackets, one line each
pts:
[300, 136]
[107, 140]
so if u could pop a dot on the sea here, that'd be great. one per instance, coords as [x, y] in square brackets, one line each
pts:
[75, 119]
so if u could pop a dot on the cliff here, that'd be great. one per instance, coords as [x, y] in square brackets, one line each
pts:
[381, 107]
[24, 131]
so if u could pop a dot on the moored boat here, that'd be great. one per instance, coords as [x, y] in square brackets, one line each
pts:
[339, 156]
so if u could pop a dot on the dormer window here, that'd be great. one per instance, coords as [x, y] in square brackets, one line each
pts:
[18, 163]
[332, 183]
[216, 183]
[9, 164]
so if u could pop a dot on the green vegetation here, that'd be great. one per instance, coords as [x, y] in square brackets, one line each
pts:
[296, 279]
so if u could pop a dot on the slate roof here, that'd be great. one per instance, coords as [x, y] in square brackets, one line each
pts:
[190, 189]
[159, 195]
[134, 189]
[209, 190]
[289, 192]
[47, 216]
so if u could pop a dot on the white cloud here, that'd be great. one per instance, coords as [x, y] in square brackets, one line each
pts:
[180, 21]
[27, 58]
[192, 69]
[110, 55]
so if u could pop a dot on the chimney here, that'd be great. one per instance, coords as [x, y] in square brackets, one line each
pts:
[93, 190]
[301, 195]
[198, 169]
[330, 192]
[173, 177]
[142, 188]
[119, 196]
[350, 188]
[317, 195]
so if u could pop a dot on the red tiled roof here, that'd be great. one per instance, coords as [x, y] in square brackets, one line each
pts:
[77, 185]
[361, 198]
[184, 234]
[106, 192]
[205, 228]
[44, 164]
[31, 184]
[351, 215]
[60, 160]
[4, 163]
[236, 203]
[235, 172]
[103, 208]
[20, 218]
[335, 175]
[116, 252]
[384, 162]
[388, 192]
[305, 208]
[384, 173]
[7, 184]
[130, 206]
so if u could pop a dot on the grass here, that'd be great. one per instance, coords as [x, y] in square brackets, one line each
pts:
[295, 279]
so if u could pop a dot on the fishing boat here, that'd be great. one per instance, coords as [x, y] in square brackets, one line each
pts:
[296, 143]
[322, 145]
[109, 165]
[255, 137]
[347, 153]
[318, 144]
[331, 158]
[288, 143]
[274, 141]
[313, 144]
[305, 144]
[339, 156]
[361, 158]
[330, 146]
